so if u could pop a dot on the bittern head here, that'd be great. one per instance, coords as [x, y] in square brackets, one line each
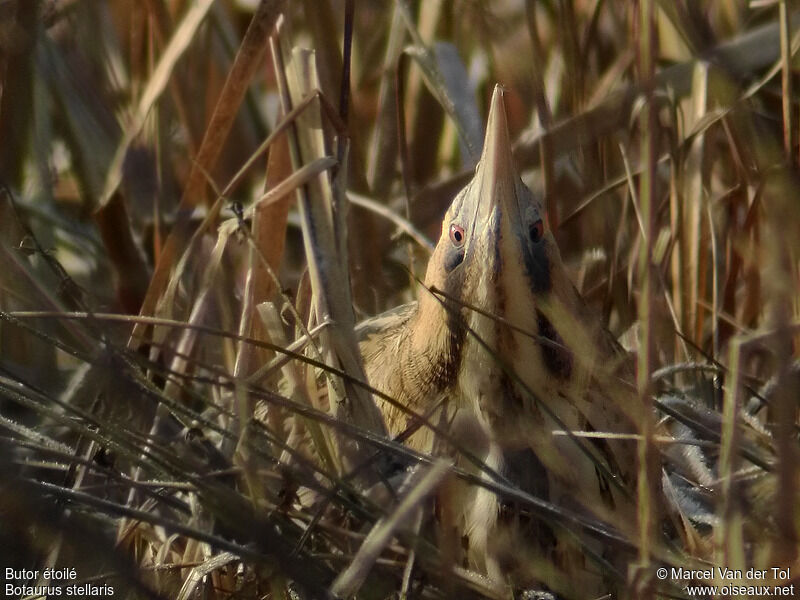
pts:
[496, 254]
[494, 230]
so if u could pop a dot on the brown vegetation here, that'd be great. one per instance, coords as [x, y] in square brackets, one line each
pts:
[188, 187]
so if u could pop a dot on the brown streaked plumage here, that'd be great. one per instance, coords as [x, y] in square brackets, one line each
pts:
[500, 390]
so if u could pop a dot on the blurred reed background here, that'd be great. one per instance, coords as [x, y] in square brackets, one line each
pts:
[149, 165]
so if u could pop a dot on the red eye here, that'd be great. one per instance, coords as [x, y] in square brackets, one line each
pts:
[457, 235]
[536, 231]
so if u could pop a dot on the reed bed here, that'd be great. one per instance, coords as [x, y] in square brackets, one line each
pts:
[202, 198]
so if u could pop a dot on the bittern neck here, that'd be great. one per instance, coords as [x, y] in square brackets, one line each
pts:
[414, 360]
[430, 351]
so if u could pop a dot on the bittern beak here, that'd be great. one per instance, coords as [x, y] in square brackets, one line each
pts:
[495, 182]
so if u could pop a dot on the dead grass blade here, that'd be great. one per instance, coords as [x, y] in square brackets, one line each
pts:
[330, 283]
[419, 486]
[177, 46]
[746, 54]
[244, 66]
[445, 76]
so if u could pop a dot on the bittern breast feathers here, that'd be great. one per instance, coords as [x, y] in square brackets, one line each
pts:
[511, 371]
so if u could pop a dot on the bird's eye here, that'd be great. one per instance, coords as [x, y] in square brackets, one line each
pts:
[457, 235]
[536, 231]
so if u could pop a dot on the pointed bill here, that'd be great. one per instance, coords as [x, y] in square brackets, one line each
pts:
[496, 177]
[496, 160]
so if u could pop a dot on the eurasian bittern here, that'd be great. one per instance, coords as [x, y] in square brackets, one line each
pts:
[501, 351]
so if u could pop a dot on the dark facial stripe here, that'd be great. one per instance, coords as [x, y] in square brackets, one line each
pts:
[453, 257]
[556, 357]
[537, 266]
